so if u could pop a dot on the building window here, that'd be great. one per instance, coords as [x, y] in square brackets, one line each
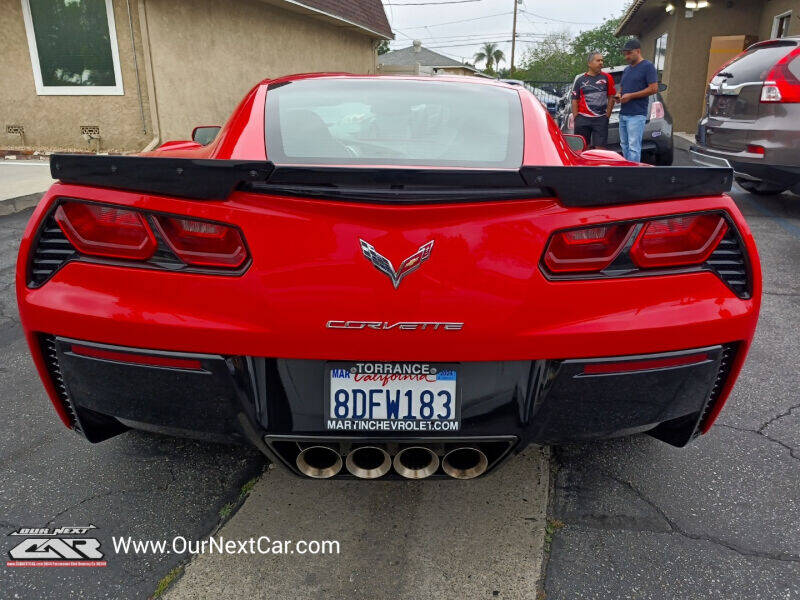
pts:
[660, 55]
[73, 46]
[780, 25]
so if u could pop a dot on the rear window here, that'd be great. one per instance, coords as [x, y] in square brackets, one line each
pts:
[394, 122]
[753, 65]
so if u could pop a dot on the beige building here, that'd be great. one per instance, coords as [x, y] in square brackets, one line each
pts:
[125, 75]
[688, 41]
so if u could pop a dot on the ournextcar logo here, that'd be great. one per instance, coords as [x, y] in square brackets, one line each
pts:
[55, 547]
[403, 325]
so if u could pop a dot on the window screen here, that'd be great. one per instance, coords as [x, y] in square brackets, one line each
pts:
[73, 42]
[660, 55]
[394, 122]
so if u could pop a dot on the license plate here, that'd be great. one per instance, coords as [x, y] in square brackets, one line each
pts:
[378, 396]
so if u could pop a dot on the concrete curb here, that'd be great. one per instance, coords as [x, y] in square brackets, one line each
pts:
[9, 206]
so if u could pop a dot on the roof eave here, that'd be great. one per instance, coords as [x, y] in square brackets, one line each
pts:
[629, 14]
[300, 7]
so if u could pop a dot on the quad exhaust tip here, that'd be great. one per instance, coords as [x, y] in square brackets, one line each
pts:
[319, 462]
[465, 463]
[368, 462]
[416, 462]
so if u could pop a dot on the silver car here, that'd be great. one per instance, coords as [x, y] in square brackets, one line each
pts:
[752, 118]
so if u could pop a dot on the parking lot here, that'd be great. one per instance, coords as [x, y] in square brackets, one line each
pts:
[629, 518]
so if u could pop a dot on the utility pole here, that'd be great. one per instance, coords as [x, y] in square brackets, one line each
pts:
[514, 38]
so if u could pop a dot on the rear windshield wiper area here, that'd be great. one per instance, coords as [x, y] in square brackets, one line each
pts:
[397, 185]
[206, 179]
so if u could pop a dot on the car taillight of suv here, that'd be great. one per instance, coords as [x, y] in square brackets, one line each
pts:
[783, 81]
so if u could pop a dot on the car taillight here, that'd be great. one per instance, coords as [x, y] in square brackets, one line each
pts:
[99, 230]
[656, 110]
[585, 250]
[781, 83]
[677, 241]
[685, 243]
[201, 243]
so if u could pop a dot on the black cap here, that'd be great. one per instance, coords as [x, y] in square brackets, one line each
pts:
[631, 44]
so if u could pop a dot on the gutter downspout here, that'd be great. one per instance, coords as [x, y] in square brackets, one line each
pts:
[136, 67]
[151, 85]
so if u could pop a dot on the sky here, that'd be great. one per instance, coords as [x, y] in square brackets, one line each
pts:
[478, 21]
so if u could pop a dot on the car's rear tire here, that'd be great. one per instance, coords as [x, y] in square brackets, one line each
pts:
[665, 157]
[761, 188]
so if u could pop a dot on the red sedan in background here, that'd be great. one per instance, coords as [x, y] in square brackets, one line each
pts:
[387, 277]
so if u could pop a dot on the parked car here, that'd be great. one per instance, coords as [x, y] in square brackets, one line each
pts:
[752, 118]
[387, 277]
[657, 148]
[548, 99]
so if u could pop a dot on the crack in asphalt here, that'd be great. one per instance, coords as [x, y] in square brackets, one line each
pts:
[108, 493]
[791, 449]
[779, 416]
[785, 294]
[777, 556]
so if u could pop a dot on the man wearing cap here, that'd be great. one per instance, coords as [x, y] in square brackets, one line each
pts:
[592, 101]
[639, 80]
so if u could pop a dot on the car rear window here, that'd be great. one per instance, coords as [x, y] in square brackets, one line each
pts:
[753, 65]
[394, 122]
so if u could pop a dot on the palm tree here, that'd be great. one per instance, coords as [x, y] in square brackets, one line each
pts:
[490, 53]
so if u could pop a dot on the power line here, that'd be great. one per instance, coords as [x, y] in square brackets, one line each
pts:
[472, 44]
[557, 20]
[477, 36]
[431, 3]
[461, 21]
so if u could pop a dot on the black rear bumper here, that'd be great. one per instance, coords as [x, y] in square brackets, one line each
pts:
[243, 399]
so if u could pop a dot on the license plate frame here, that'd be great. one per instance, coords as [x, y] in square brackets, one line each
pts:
[384, 425]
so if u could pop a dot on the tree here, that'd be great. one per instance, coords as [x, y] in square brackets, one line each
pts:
[551, 59]
[491, 54]
[383, 47]
[601, 39]
[559, 56]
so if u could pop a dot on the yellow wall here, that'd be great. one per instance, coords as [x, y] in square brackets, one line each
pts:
[52, 122]
[207, 54]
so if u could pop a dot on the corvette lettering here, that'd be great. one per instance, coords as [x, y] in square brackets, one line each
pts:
[404, 325]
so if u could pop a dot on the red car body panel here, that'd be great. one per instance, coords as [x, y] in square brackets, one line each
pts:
[307, 269]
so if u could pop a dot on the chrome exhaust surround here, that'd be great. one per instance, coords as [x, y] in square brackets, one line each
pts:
[368, 462]
[416, 462]
[319, 462]
[465, 463]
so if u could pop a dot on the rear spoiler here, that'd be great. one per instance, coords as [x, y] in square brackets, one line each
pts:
[209, 179]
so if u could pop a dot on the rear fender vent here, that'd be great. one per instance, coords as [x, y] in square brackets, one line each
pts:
[52, 251]
[725, 365]
[50, 353]
[730, 264]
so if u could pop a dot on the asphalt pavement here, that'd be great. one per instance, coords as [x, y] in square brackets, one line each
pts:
[721, 517]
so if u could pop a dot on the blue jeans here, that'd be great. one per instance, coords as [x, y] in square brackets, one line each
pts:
[631, 130]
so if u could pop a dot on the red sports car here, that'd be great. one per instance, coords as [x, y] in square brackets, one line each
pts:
[387, 277]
